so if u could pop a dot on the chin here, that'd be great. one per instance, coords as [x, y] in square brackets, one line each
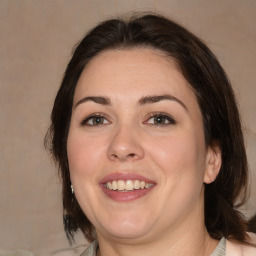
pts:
[126, 228]
[129, 233]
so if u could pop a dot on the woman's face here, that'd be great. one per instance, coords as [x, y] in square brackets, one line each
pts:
[136, 148]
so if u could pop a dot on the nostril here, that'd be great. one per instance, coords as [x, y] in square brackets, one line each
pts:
[132, 155]
[124, 157]
[114, 156]
[124, 152]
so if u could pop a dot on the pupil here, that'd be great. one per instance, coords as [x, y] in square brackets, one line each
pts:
[98, 120]
[159, 120]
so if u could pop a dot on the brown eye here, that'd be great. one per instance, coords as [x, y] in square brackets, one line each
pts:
[160, 119]
[95, 120]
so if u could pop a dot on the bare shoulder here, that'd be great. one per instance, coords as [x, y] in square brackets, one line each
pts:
[235, 248]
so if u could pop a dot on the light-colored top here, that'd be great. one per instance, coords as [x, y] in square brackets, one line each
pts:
[224, 248]
[234, 248]
[219, 251]
[91, 249]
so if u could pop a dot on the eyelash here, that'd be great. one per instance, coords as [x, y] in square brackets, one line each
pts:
[91, 117]
[166, 117]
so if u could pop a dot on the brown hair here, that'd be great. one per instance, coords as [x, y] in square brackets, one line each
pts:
[215, 98]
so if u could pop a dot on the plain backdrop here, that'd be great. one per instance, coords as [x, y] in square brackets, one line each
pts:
[36, 38]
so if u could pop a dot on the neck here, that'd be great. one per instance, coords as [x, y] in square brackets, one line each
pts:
[181, 247]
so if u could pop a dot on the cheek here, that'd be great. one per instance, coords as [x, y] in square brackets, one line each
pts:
[179, 155]
[181, 161]
[83, 154]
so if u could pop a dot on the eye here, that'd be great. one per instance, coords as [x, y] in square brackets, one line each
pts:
[95, 120]
[161, 119]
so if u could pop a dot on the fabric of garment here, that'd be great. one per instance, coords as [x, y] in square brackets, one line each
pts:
[224, 248]
[234, 248]
[219, 251]
[91, 249]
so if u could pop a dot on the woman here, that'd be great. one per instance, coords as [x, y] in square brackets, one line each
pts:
[146, 133]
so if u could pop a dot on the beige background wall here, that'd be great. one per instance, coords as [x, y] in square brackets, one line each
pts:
[36, 37]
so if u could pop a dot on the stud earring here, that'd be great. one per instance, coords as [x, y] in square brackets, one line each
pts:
[72, 189]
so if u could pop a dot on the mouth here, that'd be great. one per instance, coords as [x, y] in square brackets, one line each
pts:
[126, 186]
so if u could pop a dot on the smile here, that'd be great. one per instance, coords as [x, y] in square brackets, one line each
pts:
[124, 187]
[128, 185]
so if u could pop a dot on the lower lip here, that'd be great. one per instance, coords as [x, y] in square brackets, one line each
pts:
[120, 196]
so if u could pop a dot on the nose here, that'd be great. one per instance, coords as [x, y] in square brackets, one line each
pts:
[125, 145]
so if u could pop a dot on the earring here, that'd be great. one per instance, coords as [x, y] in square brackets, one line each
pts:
[72, 189]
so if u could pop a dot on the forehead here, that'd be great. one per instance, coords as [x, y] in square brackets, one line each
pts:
[129, 61]
[119, 73]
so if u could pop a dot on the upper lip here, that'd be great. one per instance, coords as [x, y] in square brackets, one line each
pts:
[124, 176]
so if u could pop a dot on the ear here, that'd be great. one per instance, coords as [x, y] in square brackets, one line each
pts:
[213, 163]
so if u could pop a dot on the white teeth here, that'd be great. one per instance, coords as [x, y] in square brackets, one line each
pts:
[147, 185]
[114, 185]
[121, 185]
[128, 185]
[136, 184]
[109, 185]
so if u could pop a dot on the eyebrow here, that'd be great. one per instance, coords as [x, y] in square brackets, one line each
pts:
[143, 101]
[96, 99]
[157, 98]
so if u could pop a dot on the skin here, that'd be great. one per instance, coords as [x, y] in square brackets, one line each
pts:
[169, 220]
